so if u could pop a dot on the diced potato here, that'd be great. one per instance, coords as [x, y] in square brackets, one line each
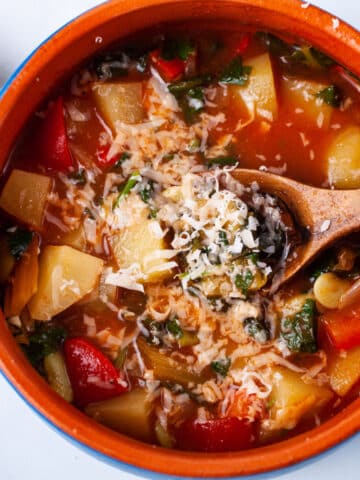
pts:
[343, 159]
[25, 196]
[65, 276]
[329, 288]
[344, 370]
[138, 243]
[175, 193]
[299, 97]
[290, 306]
[119, 102]
[129, 414]
[291, 398]
[260, 89]
[57, 375]
[166, 368]
[7, 261]
[24, 282]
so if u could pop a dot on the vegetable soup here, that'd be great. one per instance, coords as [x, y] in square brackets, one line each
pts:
[139, 277]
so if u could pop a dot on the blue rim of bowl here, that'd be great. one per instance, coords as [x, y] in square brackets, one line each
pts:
[126, 467]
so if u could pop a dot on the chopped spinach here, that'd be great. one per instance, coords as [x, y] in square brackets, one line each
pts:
[223, 237]
[221, 367]
[222, 160]
[331, 96]
[19, 241]
[244, 281]
[253, 257]
[298, 331]
[236, 73]
[257, 329]
[46, 339]
[146, 192]
[173, 327]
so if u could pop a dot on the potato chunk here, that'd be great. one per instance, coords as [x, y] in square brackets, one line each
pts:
[25, 196]
[344, 370]
[119, 102]
[65, 276]
[260, 90]
[299, 96]
[343, 159]
[291, 398]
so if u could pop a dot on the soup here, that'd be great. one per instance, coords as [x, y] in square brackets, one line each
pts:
[139, 276]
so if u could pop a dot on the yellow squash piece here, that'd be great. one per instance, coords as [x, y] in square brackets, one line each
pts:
[57, 376]
[343, 159]
[291, 398]
[25, 196]
[65, 276]
[119, 102]
[344, 370]
[299, 97]
[260, 91]
[23, 283]
[129, 414]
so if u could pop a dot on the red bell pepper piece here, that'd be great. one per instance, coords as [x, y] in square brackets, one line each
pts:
[217, 435]
[343, 327]
[92, 375]
[243, 44]
[170, 70]
[53, 143]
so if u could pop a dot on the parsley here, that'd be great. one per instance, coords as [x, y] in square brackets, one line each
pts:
[129, 185]
[236, 73]
[243, 282]
[177, 48]
[222, 160]
[19, 242]
[223, 237]
[331, 96]
[146, 192]
[255, 328]
[221, 367]
[253, 257]
[46, 340]
[173, 328]
[78, 177]
[298, 330]
[155, 330]
[124, 156]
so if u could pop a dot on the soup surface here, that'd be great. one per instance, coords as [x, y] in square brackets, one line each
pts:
[139, 277]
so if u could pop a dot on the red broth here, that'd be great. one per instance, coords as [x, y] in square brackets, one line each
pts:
[134, 269]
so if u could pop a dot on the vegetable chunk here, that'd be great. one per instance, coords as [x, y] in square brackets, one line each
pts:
[344, 370]
[119, 102]
[343, 159]
[65, 276]
[260, 90]
[25, 196]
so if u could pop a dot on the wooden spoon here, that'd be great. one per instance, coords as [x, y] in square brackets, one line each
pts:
[326, 214]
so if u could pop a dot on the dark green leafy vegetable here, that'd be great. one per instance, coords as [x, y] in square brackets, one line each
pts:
[124, 156]
[45, 340]
[155, 329]
[223, 237]
[253, 257]
[19, 242]
[221, 367]
[255, 328]
[243, 282]
[223, 160]
[331, 96]
[174, 328]
[146, 192]
[298, 330]
[177, 48]
[184, 86]
[126, 189]
[236, 73]
[78, 177]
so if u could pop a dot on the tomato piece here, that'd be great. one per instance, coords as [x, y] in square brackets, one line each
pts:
[343, 327]
[92, 375]
[217, 435]
[102, 156]
[52, 141]
[243, 44]
[170, 70]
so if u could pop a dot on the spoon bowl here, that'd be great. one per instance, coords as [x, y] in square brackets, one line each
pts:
[326, 215]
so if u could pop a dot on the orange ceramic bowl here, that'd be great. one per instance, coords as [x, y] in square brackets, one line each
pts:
[40, 75]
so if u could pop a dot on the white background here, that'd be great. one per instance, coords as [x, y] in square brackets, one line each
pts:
[29, 449]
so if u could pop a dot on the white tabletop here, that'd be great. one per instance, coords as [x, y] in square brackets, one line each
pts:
[29, 449]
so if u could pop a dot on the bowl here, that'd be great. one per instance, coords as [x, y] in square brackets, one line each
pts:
[40, 74]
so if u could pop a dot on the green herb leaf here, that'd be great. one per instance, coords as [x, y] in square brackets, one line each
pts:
[19, 242]
[243, 282]
[78, 177]
[255, 328]
[223, 237]
[124, 156]
[222, 366]
[331, 96]
[298, 330]
[173, 327]
[253, 257]
[46, 340]
[236, 73]
[222, 160]
[146, 192]
[126, 189]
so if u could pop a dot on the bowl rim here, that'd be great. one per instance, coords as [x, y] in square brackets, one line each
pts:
[343, 45]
